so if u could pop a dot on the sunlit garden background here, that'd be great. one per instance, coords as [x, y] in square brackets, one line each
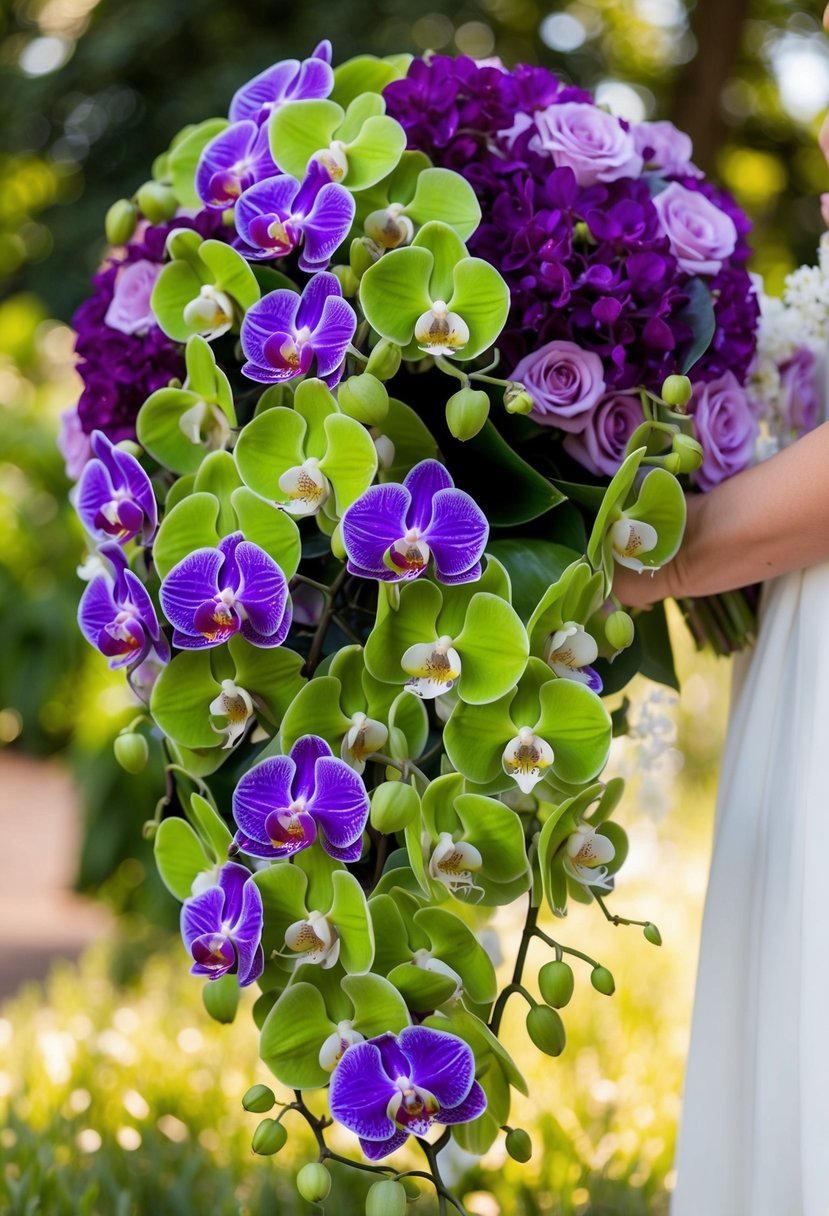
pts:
[117, 1094]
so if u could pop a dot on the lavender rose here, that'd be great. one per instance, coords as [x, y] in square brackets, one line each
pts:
[591, 142]
[565, 383]
[701, 236]
[663, 146]
[798, 390]
[74, 445]
[725, 427]
[600, 447]
[129, 310]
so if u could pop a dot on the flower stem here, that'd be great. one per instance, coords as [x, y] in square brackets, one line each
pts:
[315, 653]
[527, 935]
[616, 920]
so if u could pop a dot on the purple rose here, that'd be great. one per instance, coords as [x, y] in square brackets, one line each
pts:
[726, 428]
[129, 310]
[600, 447]
[74, 444]
[565, 383]
[663, 146]
[799, 391]
[701, 235]
[591, 142]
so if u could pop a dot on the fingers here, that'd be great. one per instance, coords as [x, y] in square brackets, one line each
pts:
[826, 18]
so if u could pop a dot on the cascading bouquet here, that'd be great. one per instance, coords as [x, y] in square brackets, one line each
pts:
[371, 625]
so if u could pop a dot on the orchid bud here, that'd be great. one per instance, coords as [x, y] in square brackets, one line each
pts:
[363, 254]
[120, 222]
[221, 998]
[670, 461]
[689, 451]
[156, 202]
[546, 1029]
[619, 630]
[259, 1099]
[364, 398]
[384, 360]
[349, 282]
[517, 400]
[268, 1138]
[337, 546]
[131, 751]
[386, 1198]
[314, 1182]
[519, 1145]
[677, 390]
[556, 983]
[466, 412]
[652, 934]
[411, 1188]
[603, 981]
[394, 805]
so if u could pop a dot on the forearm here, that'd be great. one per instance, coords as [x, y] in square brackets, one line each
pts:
[766, 521]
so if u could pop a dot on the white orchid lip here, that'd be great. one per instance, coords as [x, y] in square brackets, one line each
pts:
[334, 160]
[211, 312]
[439, 331]
[315, 939]
[454, 863]
[389, 227]
[364, 736]
[409, 555]
[206, 426]
[306, 488]
[235, 704]
[426, 961]
[586, 857]
[629, 538]
[434, 667]
[526, 759]
[337, 1043]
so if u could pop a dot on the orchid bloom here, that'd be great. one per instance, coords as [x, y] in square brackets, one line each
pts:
[280, 214]
[389, 1088]
[454, 863]
[114, 497]
[338, 1043]
[234, 160]
[284, 803]
[222, 927]
[213, 594]
[117, 617]
[629, 538]
[283, 333]
[289, 80]
[364, 736]
[526, 759]
[314, 940]
[393, 531]
[569, 652]
[433, 668]
[586, 857]
[236, 705]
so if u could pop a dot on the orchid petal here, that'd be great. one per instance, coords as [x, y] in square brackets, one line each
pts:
[440, 1063]
[326, 226]
[263, 789]
[333, 334]
[255, 99]
[232, 879]
[360, 1093]
[473, 1105]
[375, 1150]
[423, 482]
[202, 914]
[275, 312]
[192, 582]
[317, 291]
[371, 525]
[457, 534]
[305, 753]
[264, 589]
[340, 803]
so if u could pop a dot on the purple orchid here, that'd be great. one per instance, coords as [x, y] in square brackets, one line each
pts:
[222, 927]
[214, 593]
[114, 497]
[392, 531]
[278, 214]
[117, 617]
[289, 80]
[282, 333]
[283, 803]
[234, 160]
[388, 1088]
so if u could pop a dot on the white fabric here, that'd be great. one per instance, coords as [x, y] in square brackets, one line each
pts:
[754, 1133]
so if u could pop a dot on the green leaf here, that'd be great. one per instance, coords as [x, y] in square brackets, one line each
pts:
[210, 826]
[507, 489]
[394, 292]
[534, 566]
[292, 1035]
[698, 313]
[443, 195]
[183, 158]
[577, 726]
[181, 697]
[190, 525]
[179, 856]
[482, 298]
[349, 913]
[494, 648]
[657, 656]
[298, 129]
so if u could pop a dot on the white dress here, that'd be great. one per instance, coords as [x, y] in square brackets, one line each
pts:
[754, 1132]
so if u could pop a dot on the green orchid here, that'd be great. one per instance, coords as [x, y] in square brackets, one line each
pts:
[217, 505]
[367, 73]
[544, 725]
[412, 195]
[189, 852]
[310, 460]
[435, 640]
[432, 298]
[179, 426]
[357, 146]
[178, 164]
[579, 850]
[205, 289]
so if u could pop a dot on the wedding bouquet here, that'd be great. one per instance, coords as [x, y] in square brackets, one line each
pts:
[362, 584]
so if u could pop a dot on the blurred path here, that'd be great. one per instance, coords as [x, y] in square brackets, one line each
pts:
[41, 917]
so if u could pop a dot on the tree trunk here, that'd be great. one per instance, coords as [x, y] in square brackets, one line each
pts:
[717, 26]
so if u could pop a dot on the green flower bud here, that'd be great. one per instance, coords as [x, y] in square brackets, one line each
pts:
[652, 934]
[671, 462]
[120, 222]
[411, 1188]
[131, 751]
[582, 234]
[603, 981]
[384, 360]
[258, 1099]
[677, 390]
[221, 998]
[386, 1198]
[363, 254]
[156, 202]
[519, 1145]
[364, 398]
[517, 400]
[268, 1138]
[556, 983]
[546, 1029]
[349, 282]
[313, 1182]
[337, 546]
[619, 630]
[394, 804]
[689, 451]
[466, 412]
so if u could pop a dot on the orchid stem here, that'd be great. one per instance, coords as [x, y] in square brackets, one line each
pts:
[527, 935]
[451, 370]
[616, 920]
[315, 653]
[406, 767]
[201, 786]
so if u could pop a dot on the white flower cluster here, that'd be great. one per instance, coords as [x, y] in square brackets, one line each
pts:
[797, 322]
[647, 756]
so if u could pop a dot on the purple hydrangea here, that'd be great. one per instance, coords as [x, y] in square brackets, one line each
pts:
[389, 1088]
[114, 497]
[222, 927]
[117, 617]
